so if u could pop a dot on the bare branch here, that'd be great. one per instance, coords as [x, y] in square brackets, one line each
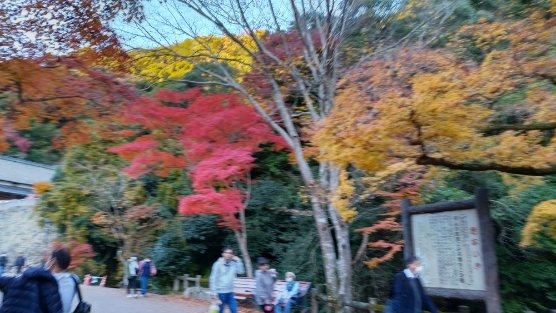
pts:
[484, 165]
[518, 127]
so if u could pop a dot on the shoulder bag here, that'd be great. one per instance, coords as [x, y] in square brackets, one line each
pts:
[82, 306]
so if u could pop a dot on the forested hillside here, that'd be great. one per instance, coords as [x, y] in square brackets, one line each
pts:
[288, 131]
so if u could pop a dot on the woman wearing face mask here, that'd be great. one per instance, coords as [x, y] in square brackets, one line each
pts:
[288, 296]
[408, 293]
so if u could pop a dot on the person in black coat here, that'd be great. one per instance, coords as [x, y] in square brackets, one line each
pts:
[35, 291]
[408, 294]
[19, 262]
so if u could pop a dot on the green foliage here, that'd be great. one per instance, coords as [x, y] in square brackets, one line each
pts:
[170, 256]
[164, 191]
[185, 246]
[88, 200]
[511, 8]
[40, 136]
[274, 164]
[522, 272]
[279, 226]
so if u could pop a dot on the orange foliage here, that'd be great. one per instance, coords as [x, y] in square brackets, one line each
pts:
[41, 187]
[405, 185]
[442, 104]
[79, 252]
[82, 100]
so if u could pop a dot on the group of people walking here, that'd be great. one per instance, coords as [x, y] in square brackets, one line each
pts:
[407, 295]
[226, 269]
[18, 263]
[138, 273]
[48, 289]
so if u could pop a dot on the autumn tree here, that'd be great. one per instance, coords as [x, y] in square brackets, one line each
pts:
[68, 94]
[169, 64]
[215, 137]
[32, 29]
[485, 103]
[541, 223]
[91, 200]
[312, 69]
[295, 65]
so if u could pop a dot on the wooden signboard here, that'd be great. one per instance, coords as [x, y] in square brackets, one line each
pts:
[455, 243]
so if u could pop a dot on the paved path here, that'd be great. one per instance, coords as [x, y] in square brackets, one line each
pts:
[112, 300]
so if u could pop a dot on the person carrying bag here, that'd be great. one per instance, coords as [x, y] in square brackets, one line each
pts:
[82, 306]
[68, 283]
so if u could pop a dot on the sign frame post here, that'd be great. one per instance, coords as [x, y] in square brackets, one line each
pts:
[480, 203]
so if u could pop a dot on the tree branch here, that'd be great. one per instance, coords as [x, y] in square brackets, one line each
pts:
[487, 166]
[503, 127]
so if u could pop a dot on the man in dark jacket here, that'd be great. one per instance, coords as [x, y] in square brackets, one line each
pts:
[409, 295]
[35, 291]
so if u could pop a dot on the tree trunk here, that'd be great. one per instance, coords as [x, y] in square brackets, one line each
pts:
[315, 80]
[241, 237]
[332, 230]
[341, 229]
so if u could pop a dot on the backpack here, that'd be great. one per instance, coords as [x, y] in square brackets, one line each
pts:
[153, 270]
[146, 269]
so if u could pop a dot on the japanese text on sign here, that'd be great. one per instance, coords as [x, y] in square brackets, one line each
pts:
[449, 245]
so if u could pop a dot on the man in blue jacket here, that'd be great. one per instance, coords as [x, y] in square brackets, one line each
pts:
[409, 295]
[35, 291]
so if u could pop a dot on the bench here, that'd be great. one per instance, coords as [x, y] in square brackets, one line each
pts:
[244, 288]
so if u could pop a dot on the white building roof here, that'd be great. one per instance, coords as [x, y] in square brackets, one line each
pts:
[24, 172]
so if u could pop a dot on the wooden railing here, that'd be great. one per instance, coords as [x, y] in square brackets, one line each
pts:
[191, 284]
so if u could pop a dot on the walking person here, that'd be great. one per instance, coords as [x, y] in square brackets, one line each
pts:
[19, 263]
[58, 264]
[132, 269]
[222, 276]
[288, 295]
[3, 263]
[146, 270]
[265, 277]
[408, 294]
[34, 291]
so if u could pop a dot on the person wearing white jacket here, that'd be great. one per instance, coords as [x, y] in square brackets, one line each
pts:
[132, 269]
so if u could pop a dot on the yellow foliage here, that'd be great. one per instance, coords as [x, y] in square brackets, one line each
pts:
[542, 220]
[41, 187]
[438, 103]
[342, 197]
[175, 61]
[374, 180]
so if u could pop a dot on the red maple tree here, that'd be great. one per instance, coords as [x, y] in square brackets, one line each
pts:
[213, 137]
